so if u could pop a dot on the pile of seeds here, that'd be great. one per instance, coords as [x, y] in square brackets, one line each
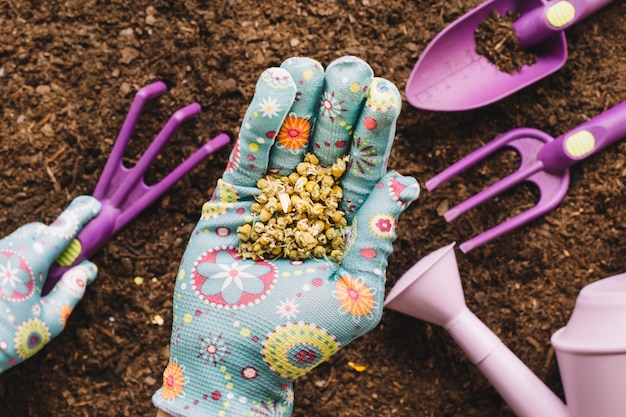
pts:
[297, 216]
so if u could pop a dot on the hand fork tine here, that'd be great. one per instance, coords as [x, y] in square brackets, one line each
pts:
[553, 191]
[545, 161]
[114, 161]
[525, 141]
[123, 191]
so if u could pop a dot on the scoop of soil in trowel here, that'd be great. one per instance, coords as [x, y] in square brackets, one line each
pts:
[497, 41]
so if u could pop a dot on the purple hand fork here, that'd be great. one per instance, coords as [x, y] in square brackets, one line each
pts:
[544, 161]
[123, 191]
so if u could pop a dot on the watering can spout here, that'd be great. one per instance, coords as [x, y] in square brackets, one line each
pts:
[432, 291]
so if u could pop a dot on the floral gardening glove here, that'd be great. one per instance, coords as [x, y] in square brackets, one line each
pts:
[243, 329]
[27, 320]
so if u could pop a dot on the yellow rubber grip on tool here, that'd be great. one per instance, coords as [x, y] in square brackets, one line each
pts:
[70, 254]
[580, 143]
[560, 14]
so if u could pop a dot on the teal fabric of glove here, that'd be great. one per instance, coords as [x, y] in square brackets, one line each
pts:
[244, 330]
[29, 321]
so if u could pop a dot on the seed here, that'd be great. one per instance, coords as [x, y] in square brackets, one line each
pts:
[312, 159]
[324, 192]
[272, 204]
[337, 243]
[317, 227]
[265, 215]
[307, 240]
[337, 216]
[300, 184]
[317, 209]
[303, 206]
[342, 223]
[281, 221]
[310, 186]
[319, 251]
[338, 168]
[303, 225]
[336, 255]
[278, 234]
[293, 177]
[327, 181]
[305, 169]
[243, 232]
[262, 184]
[265, 240]
[284, 202]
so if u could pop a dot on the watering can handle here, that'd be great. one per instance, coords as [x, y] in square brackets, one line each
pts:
[525, 393]
[554, 16]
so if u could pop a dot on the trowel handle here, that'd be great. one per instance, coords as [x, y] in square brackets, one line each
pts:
[523, 391]
[553, 16]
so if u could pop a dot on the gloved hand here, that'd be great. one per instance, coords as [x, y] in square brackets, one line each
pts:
[244, 330]
[29, 321]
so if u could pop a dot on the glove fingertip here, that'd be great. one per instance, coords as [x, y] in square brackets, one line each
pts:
[403, 189]
[384, 98]
[307, 65]
[91, 271]
[59, 304]
[72, 285]
[68, 224]
[86, 207]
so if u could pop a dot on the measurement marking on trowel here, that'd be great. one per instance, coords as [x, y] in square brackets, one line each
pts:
[456, 74]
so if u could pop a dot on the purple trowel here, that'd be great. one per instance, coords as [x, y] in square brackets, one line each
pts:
[451, 76]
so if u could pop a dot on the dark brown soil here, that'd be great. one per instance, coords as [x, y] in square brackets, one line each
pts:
[497, 41]
[69, 70]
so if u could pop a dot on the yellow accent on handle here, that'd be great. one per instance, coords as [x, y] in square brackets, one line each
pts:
[560, 14]
[71, 253]
[580, 143]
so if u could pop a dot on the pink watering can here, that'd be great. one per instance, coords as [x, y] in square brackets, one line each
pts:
[590, 349]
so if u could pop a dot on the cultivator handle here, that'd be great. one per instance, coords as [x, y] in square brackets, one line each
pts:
[122, 191]
[585, 140]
